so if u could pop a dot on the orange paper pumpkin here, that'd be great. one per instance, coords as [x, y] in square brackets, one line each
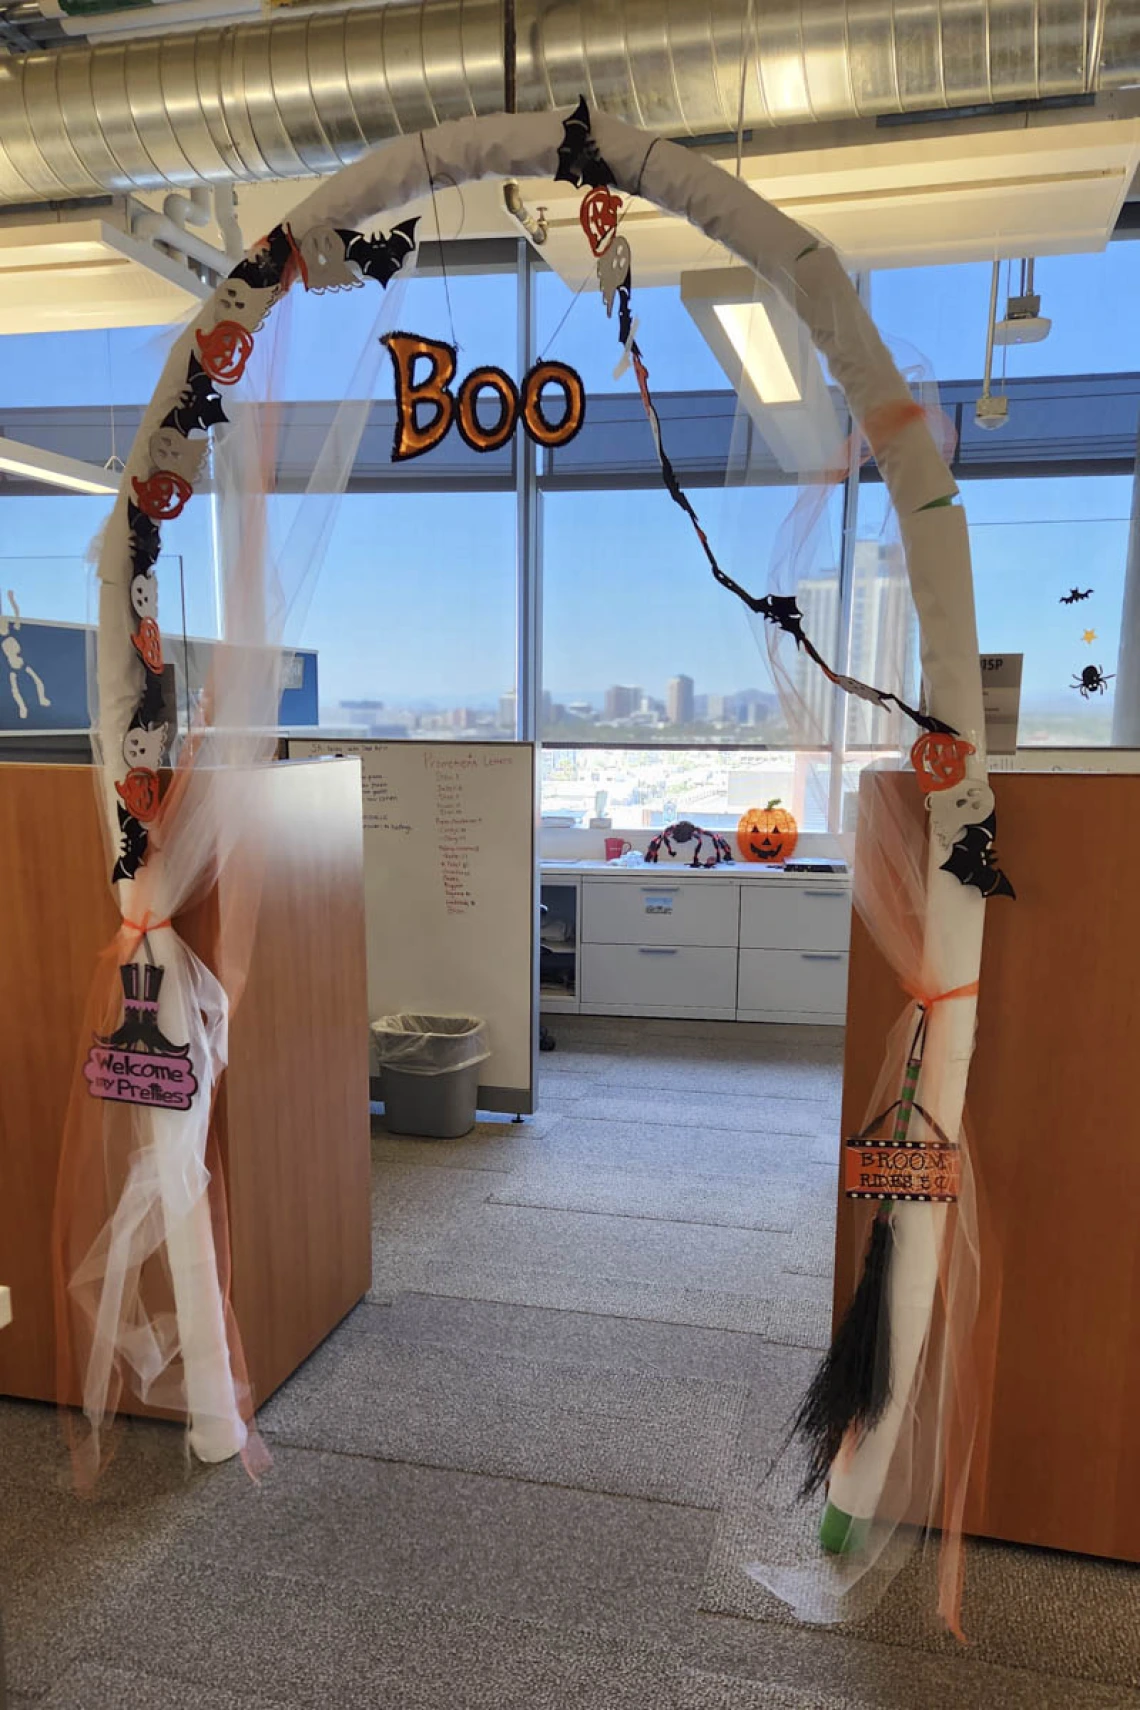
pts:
[939, 760]
[767, 834]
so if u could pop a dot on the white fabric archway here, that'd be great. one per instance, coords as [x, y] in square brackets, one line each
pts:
[812, 279]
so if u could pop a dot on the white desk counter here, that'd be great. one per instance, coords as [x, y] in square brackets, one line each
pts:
[730, 943]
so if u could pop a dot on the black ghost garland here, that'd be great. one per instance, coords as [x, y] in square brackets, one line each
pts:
[325, 258]
[580, 162]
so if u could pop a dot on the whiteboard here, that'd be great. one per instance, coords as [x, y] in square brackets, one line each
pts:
[449, 885]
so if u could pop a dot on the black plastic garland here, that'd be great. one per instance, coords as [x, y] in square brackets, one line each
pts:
[580, 162]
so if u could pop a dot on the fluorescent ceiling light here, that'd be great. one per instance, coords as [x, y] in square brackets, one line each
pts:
[753, 338]
[53, 470]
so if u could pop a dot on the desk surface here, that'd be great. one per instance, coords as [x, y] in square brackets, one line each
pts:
[752, 872]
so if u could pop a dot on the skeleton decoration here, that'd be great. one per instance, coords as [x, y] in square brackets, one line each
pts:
[324, 258]
[17, 666]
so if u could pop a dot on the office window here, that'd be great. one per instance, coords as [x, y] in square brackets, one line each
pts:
[413, 617]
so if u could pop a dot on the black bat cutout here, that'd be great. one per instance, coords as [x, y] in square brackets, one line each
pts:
[579, 161]
[782, 610]
[380, 257]
[157, 703]
[264, 268]
[971, 860]
[132, 847]
[145, 541]
[199, 403]
[1075, 594]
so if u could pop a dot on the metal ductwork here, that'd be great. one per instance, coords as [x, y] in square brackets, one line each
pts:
[292, 96]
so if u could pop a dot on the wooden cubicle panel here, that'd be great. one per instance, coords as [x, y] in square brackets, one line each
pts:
[1056, 1134]
[59, 914]
[292, 1116]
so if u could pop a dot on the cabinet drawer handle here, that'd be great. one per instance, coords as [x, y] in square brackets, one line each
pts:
[821, 955]
[654, 950]
[659, 890]
[825, 893]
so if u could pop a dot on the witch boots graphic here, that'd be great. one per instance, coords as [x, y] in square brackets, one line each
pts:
[139, 1029]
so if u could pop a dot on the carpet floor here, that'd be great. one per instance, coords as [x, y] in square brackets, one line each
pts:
[529, 1471]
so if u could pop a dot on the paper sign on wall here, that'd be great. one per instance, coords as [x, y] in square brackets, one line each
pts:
[1001, 699]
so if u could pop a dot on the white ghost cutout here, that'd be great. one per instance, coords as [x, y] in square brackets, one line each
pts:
[175, 453]
[248, 305]
[144, 596]
[613, 271]
[145, 746]
[968, 803]
[326, 266]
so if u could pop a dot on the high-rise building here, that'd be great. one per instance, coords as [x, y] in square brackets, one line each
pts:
[679, 700]
[507, 711]
[882, 643]
[622, 701]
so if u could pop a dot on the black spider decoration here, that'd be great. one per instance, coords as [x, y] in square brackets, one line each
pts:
[1075, 594]
[579, 159]
[1091, 681]
[686, 832]
[972, 860]
[380, 257]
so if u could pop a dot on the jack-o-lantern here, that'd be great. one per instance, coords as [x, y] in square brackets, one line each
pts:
[767, 834]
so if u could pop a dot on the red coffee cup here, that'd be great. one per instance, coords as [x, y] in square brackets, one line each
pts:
[616, 847]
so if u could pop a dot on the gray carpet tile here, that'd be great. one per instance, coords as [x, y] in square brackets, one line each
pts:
[728, 1692]
[827, 1661]
[148, 1457]
[446, 1538]
[630, 1140]
[62, 1557]
[626, 1432]
[1027, 1609]
[576, 1338]
[812, 1247]
[704, 1112]
[672, 1063]
[411, 1202]
[687, 1036]
[315, 1644]
[804, 1323]
[744, 1261]
[733, 1202]
[91, 1686]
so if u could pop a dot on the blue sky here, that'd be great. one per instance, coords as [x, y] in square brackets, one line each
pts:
[416, 593]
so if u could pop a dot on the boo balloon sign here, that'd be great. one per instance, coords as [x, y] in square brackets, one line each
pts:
[426, 407]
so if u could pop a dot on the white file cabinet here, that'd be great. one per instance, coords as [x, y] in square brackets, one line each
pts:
[793, 951]
[727, 944]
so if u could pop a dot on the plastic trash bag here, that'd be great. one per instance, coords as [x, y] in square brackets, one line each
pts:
[429, 1044]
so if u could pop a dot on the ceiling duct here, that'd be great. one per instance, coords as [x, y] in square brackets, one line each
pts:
[292, 96]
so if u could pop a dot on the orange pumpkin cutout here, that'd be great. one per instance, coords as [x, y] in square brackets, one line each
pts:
[767, 834]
